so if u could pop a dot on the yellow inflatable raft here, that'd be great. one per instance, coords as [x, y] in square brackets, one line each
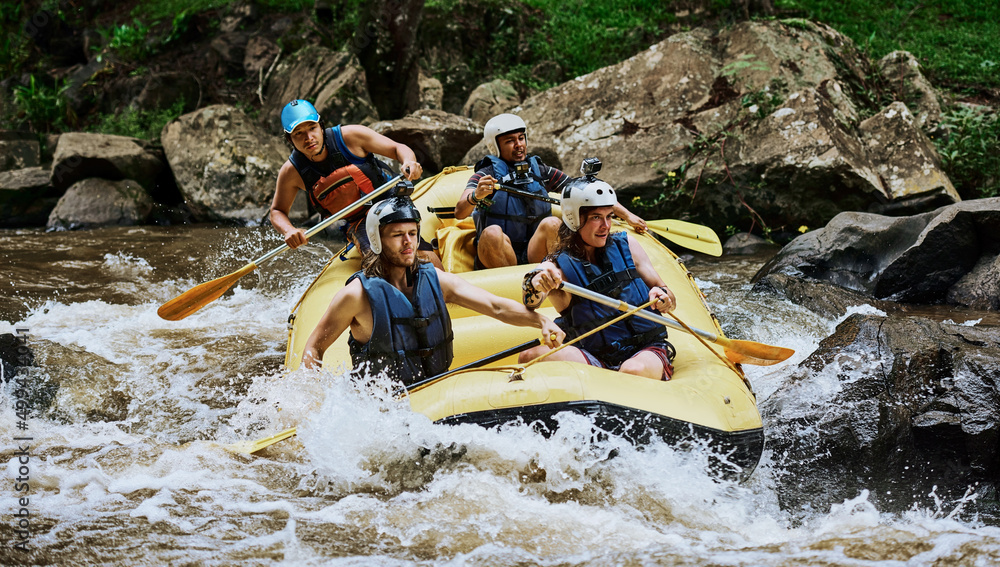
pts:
[708, 397]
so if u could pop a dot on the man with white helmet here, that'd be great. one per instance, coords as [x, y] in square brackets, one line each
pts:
[395, 307]
[614, 264]
[512, 229]
[335, 167]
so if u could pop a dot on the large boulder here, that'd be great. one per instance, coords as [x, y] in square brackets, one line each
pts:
[18, 150]
[439, 139]
[225, 164]
[98, 202]
[914, 259]
[332, 80]
[81, 155]
[894, 405]
[762, 119]
[489, 99]
[26, 197]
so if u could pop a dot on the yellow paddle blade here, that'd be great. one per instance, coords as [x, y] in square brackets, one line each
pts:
[201, 295]
[251, 447]
[757, 354]
[696, 237]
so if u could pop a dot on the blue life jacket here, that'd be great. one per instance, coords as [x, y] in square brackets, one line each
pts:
[412, 340]
[616, 277]
[339, 180]
[518, 217]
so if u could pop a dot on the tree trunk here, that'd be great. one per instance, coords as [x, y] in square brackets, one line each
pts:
[385, 45]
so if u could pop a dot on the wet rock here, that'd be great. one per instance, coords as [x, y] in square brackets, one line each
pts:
[980, 287]
[98, 202]
[438, 138]
[914, 259]
[224, 164]
[897, 405]
[489, 99]
[74, 385]
[746, 244]
[26, 197]
[820, 297]
[332, 80]
[18, 150]
[15, 353]
[81, 155]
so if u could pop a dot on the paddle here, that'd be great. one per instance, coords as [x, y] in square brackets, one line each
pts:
[250, 447]
[525, 194]
[203, 294]
[687, 234]
[742, 352]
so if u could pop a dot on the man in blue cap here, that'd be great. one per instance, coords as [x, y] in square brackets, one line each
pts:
[335, 167]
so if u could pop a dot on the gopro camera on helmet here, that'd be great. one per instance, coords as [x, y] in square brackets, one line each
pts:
[518, 175]
[590, 167]
[403, 188]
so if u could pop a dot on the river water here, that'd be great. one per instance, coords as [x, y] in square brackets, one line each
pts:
[123, 463]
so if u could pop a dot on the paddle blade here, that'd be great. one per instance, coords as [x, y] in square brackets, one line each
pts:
[251, 447]
[201, 295]
[696, 237]
[757, 354]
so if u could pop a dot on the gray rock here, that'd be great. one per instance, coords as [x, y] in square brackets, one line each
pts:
[224, 164]
[746, 244]
[18, 150]
[489, 99]
[895, 405]
[98, 202]
[81, 155]
[26, 197]
[437, 138]
[905, 158]
[915, 259]
[332, 80]
[902, 70]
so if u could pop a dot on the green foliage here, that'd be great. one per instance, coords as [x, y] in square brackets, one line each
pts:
[583, 35]
[955, 41]
[765, 101]
[44, 108]
[130, 41]
[969, 150]
[138, 123]
[13, 49]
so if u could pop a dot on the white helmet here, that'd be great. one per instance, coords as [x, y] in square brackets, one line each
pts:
[584, 192]
[393, 209]
[498, 126]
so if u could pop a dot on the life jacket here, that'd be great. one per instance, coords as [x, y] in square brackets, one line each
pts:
[618, 278]
[412, 340]
[518, 217]
[339, 180]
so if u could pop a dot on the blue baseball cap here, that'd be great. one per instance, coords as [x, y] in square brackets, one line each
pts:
[297, 112]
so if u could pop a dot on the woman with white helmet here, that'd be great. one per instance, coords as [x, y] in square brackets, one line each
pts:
[610, 263]
[511, 229]
[395, 307]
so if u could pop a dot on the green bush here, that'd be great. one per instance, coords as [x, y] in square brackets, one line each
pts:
[969, 150]
[130, 41]
[138, 123]
[44, 108]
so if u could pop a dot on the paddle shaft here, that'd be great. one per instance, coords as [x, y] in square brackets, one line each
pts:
[474, 364]
[345, 212]
[622, 306]
[519, 193]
